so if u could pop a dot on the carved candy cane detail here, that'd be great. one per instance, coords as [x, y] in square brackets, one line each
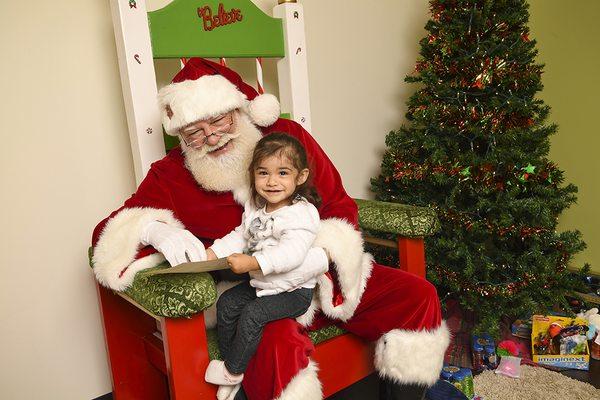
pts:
[259, 75]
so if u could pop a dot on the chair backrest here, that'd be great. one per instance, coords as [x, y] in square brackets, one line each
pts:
[203, 28]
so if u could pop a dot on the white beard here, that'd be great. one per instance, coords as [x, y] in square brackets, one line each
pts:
[227, 172]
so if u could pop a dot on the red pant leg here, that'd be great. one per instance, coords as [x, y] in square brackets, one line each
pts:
[283, 351]
[394, 299]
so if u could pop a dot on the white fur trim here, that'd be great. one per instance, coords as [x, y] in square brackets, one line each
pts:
[353, 266]
[194, 100]
[264, 109]
[304, 386]
[242, 194]
[412, 357]
[210, 314]
[119, 243]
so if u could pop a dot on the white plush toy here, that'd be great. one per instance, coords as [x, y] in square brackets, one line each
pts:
[593, 319]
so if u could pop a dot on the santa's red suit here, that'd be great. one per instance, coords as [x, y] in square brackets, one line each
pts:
[398, 310]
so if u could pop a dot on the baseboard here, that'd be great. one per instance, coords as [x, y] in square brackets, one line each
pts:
[107, 396]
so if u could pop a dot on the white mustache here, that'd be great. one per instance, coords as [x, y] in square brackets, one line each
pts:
[206, 148]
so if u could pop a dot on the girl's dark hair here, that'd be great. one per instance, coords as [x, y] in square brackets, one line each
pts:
[284, 145]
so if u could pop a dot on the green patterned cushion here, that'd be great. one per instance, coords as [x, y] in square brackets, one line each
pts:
[399, 219]
[213, 346]
[173, 295]
[323, 334]
[317, 337]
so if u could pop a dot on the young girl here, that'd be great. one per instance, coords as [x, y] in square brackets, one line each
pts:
[278, 227]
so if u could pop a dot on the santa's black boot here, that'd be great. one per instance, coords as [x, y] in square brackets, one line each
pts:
[389, 390]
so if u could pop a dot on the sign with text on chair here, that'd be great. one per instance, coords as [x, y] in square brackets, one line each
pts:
[192, 267]
[221, 18]
[214, 29]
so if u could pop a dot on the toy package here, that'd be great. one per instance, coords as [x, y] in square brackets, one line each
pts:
[560, 342]
[461, 378]
[483, 352]
[521, 328]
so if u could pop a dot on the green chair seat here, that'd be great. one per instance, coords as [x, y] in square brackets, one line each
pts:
[399, 219]
[173, 295]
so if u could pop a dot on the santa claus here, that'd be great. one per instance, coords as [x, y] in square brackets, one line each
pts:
[195, 194]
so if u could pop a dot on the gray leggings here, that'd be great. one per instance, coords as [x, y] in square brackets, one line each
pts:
[241, 317]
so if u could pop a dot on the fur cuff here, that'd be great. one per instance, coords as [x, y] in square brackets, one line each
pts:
[304, 386]
[412, 357]
[114, 260]
[353, 267]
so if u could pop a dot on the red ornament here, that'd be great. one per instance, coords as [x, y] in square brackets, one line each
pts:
[420, 66]
[478, 84]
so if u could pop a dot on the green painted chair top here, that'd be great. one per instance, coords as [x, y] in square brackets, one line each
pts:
[187, 28]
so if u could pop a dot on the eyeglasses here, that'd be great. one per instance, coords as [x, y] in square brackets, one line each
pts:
[196, 134]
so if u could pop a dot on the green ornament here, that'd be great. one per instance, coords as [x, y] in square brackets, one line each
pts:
[530, 169]
[466, 172]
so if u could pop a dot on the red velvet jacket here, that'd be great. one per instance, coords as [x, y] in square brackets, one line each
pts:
[169, 185]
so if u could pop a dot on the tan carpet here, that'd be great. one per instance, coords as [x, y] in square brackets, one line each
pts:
[534, 384]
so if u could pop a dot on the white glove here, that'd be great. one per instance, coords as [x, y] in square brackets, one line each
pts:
[314, 265]
[176, 244]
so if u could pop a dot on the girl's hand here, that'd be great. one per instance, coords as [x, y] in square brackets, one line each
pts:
[242, 263]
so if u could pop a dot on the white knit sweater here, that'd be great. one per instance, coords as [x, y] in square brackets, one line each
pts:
[281, 243]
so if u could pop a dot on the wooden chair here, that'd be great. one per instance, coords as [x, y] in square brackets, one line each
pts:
[154, 356]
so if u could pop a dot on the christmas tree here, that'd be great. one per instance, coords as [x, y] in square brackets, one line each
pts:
[475, 149]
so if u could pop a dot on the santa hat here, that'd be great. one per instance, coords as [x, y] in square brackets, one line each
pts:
[204, 89]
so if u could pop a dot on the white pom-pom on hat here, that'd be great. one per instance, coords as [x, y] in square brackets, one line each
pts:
[264, 109]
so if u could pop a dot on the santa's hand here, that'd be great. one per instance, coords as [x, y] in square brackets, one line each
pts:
[176, 244]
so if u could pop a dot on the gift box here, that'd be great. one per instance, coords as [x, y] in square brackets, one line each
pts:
[560, 342]
[521, 328]
[483, 353]
[461, 378]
